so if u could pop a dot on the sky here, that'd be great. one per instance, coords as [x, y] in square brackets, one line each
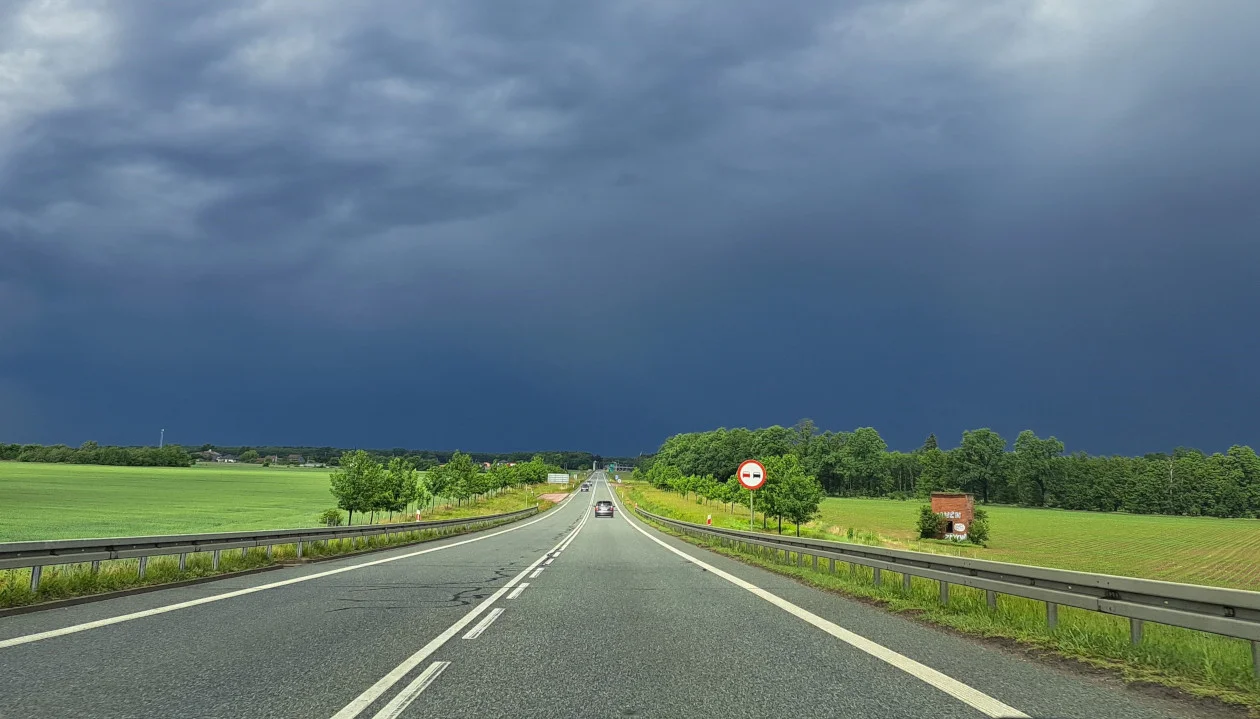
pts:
[572, 225]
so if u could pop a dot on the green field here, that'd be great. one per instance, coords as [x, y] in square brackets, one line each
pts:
[1197, 550]
[64, 501]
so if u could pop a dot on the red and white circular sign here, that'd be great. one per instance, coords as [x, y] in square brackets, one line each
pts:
[751, 473]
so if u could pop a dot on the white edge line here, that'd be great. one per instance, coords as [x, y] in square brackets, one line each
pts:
[970, 696]
[517, 592]
[484, 624]
[411, 692]
[372, 693]
[75, 628]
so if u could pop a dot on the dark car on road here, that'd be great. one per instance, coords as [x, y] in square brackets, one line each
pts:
[603, 508]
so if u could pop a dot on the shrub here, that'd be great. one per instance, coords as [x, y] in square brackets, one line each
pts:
[930, 523]
[330, 517]
[978, 532]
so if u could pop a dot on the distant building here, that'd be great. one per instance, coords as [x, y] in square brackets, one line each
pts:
[273, 459]
[229, 458]
[210, 455]
[295, 459]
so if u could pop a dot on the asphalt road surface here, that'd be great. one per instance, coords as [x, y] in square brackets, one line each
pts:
[560, 615]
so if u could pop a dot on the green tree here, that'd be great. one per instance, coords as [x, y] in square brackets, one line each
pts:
[1036, 466]
[249, 455]
[980, 460]
[399, 487]
[357, 482]
[799, 497]
[930, 443]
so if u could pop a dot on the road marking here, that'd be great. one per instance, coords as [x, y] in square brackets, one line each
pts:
[372, 693]
[536, 573]
[484, 623]
[967, 695]
[75, 628]
[549, 561]
[517, 592]
[408, 695]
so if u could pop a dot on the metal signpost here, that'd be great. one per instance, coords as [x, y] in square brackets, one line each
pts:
[752, 474]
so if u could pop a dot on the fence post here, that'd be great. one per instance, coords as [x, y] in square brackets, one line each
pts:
[214, 561]
[875, 575]
[1052, 615]
[944, 592]
[144, 564]
[35, 572]
[1135, 632]
[990, 598]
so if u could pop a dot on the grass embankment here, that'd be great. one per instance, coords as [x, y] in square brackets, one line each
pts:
[1195, 550]
[1200, 664]
[205, 499]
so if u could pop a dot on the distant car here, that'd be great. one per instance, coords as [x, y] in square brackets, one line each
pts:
[586, 488]
[603, 508]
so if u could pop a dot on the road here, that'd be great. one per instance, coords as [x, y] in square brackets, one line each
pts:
[561, 615]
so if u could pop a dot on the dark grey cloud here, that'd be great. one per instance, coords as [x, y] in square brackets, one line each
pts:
[948, 198]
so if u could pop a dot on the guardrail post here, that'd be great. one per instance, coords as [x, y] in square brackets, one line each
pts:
[831, 565]
[1255, 658]
[1135, 631]
[144, 564]
[852, 570]
[183, 561]
[905, 582]
[96, 566]
[815, 562]
[990, 598]
[299, 549]
[268, 552]
[35, 572]
[944, 592]
[800, 559]
[1052, 615]
[875, 575]
[244, 552]
[214, 561]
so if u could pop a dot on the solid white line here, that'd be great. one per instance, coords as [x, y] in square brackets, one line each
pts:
[372, 693]
[517, 592]
[536, 573]
[409, 694]
[484, 623]
[75, 628]
[967, 695]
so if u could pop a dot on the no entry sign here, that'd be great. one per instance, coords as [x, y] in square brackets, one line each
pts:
[752, 474]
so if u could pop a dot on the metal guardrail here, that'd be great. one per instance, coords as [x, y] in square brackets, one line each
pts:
[1227, 612]
[36, 555]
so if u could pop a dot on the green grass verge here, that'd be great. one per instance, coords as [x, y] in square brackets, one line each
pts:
[1195, 550]
[1200, 664]
[76, 580]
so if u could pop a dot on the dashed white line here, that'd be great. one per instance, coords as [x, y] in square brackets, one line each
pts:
[970, 696]
[484, 623]
[517, 592]
[536, 573]
[408, 695]
[382, 685]
[549, 561]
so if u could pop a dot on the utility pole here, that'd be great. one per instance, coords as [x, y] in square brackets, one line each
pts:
[162, 439]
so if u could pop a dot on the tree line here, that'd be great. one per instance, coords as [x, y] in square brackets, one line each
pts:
[1034, 471]
[171, 455]
[787, 492]
[361, 483]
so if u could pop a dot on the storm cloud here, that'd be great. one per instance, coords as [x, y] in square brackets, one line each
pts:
[591, 225]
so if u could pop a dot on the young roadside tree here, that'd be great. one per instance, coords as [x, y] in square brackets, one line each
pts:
[462, 475]
[799, 495]
[356, 483]
[398, 488]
